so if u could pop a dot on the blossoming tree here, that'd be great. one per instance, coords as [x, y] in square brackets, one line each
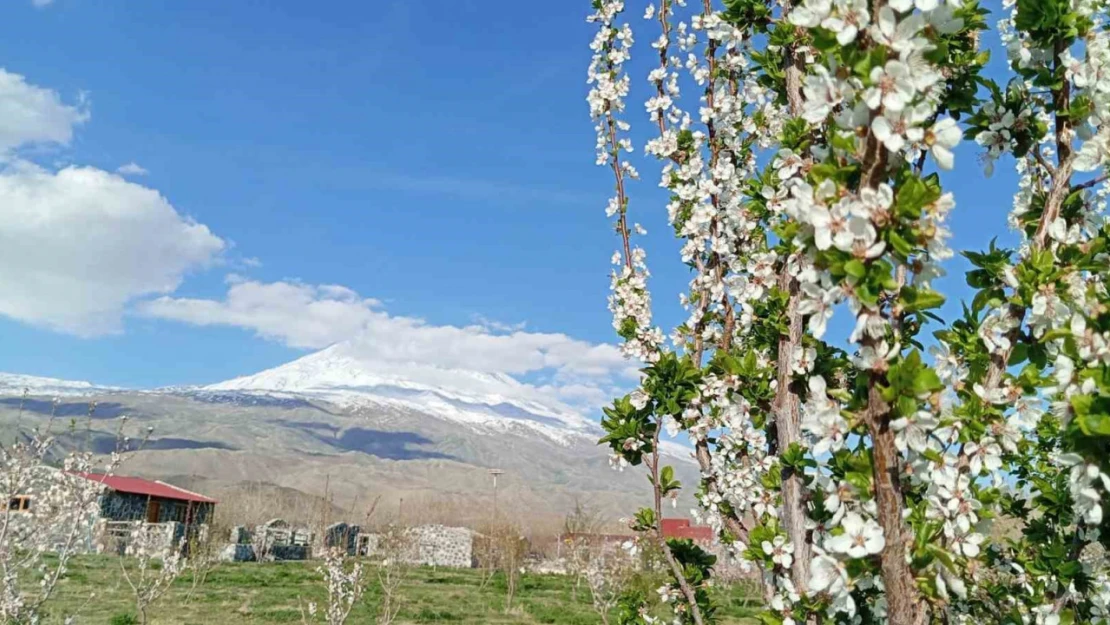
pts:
[807, 175]
[48, 512]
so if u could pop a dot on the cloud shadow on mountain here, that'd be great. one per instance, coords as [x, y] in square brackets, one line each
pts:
[381, 444]
[104, 410]
[106, 444]
[103, 443]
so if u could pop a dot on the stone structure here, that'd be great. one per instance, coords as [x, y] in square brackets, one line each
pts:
[438, 545]
[273, 540]
[237, 552]
[240, 535]
[160, 515]
[342, 536]
[428, 545]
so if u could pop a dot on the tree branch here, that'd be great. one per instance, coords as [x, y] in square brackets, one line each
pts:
[1061, 187]
[676, 568]
[1090, 183]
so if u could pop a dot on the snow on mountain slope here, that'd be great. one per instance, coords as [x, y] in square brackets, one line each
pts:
[486, 403]
[484, 400]
[15, 384]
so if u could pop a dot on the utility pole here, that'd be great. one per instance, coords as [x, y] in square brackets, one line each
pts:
[495, 473]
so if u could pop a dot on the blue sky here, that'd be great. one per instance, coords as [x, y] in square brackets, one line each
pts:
[433, 155]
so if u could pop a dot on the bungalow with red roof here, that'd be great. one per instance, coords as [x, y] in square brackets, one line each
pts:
[151, 501]
[160, 513]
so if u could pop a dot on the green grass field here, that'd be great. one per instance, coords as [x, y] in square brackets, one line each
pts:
[242, 593]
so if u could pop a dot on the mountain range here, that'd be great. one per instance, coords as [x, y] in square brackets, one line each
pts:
[331, 426]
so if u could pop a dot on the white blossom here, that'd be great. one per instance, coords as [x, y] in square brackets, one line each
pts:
[860, 538]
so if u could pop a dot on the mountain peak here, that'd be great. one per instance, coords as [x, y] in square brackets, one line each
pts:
[341, 374]
[16, 383]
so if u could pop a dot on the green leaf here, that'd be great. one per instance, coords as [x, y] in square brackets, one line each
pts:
[926, 382]
[1019, 354]
[918, 299]
[860, 480]
[900, 245]
[1092, 414]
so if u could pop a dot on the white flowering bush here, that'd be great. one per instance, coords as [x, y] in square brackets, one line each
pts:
[346, 583]
[395, 546]
[805, 147]
[149, 564]
[608, 571]
[47, 514]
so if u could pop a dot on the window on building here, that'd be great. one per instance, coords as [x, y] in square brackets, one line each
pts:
[19, 502]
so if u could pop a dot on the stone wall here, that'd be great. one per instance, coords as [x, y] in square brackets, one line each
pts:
[120, 537]
[438, 545]
[273, 540]
[428, 545]
[341, 536]
[117, 506]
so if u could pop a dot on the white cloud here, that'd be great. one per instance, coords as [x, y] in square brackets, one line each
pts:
[32, 115]
[298, 315]
[315, 316]
[77, 245]
[493, 325]
[469, 358]
[132, 169]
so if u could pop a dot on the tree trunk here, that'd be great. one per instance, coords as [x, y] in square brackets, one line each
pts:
[789, 431]
[904, 606]
[787, 405]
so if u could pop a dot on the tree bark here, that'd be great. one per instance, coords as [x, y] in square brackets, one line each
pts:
[788, 426]
[787, 405]
[904, 606]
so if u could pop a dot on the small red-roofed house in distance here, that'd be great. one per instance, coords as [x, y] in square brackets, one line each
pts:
[681, 528]
[137, 499]
[160, 514]
[174, 514]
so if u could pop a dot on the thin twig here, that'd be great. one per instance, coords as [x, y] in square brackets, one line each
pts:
[676, 568]
[1090, 183]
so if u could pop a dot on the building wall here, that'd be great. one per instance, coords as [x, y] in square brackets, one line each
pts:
[681, 528]
[116, 506]
[429, 545]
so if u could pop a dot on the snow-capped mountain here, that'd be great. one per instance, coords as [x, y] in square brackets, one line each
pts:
[337, 422]
[337, 375]
[483, 400]
[16, 384]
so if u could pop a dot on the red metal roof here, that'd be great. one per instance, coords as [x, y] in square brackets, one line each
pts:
[139, 486]
[681, 528]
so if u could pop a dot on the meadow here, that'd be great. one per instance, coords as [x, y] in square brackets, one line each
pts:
[273, 592]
